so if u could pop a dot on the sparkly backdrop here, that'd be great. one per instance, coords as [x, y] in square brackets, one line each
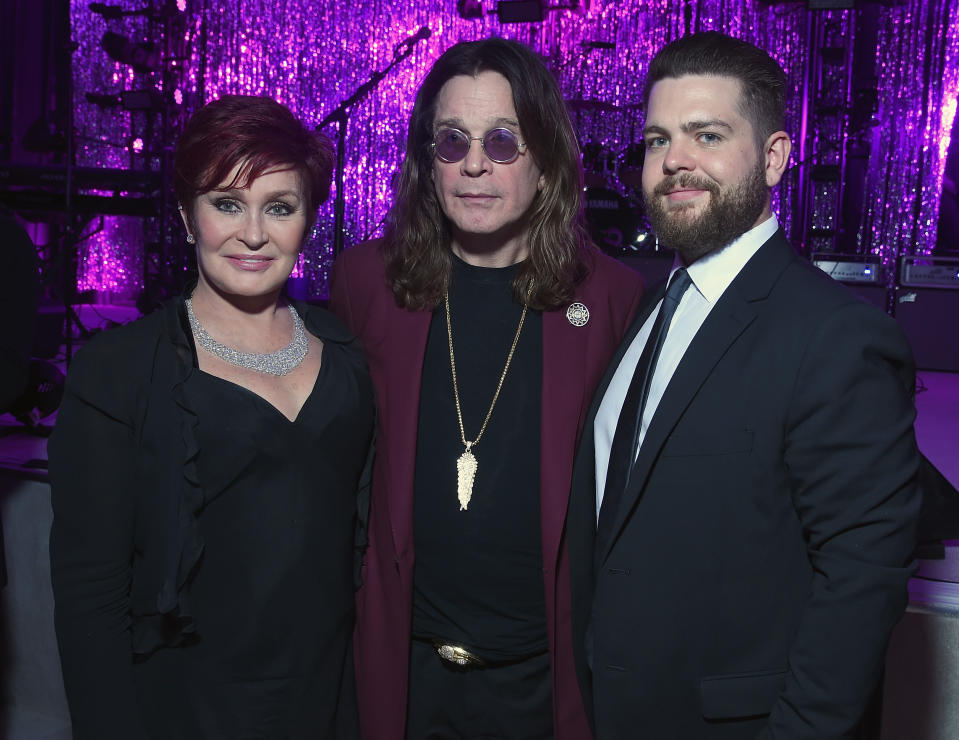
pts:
[918, 70]
[312, 55]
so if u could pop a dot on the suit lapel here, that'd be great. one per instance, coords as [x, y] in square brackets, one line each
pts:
[642, 314]
[586, 454]
[735, 311]
[565, 354]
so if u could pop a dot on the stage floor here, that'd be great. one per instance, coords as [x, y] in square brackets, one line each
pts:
[937, 421]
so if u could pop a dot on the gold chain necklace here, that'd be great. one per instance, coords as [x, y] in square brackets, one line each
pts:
[466, 463]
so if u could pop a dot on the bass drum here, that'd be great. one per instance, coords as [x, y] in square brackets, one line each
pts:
[599, 165]
[613, 222]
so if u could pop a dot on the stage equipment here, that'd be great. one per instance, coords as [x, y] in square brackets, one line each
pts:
[926, 302]
[830, 4]
[520, 11]
[850, 268]
[928, 271]
[340, 115]
[145, 100]
[42, 396]
[862, 274]
[828, 89]
[116, 12]
[613, 223]
[599, 165]
[43, 189]
[143, 56]
[469, 9]
[926, 316]
[44, 136]
[631, 166]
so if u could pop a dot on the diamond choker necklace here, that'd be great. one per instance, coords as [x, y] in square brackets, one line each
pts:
[280, 362]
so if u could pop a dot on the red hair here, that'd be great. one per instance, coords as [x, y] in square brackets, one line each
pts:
[257, 135]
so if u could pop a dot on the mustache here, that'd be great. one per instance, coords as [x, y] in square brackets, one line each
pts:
[685, 180]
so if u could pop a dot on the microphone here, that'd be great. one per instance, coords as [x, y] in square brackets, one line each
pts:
[421, 35]
[111, 12]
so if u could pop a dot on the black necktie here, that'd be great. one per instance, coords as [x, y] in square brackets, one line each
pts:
[622, 453]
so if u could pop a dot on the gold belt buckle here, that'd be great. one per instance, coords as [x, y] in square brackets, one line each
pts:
[456, 654]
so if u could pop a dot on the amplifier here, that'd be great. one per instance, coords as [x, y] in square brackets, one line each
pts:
[850, 268]
[929, 272]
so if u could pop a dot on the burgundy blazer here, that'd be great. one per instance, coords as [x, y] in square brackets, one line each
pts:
[574, 360]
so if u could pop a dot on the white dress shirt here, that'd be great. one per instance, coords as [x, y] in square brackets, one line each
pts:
[710, 276]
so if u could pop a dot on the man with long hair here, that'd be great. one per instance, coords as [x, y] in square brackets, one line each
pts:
[744, 507]
[488, 319]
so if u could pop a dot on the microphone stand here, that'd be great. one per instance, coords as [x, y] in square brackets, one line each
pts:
[341, 115]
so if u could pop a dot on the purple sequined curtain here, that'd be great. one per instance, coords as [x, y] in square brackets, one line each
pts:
[918, 69]
[313, 55]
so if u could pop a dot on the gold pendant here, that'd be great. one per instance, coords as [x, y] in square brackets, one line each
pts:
[465, 475]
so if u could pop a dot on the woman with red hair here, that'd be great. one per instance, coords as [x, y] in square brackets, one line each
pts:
[207, 468]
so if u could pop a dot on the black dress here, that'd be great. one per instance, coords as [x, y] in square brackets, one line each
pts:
[268, 654]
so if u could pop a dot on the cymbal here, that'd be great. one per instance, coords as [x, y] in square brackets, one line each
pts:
[585, 105]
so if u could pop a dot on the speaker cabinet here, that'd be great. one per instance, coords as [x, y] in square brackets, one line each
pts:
[930, 319]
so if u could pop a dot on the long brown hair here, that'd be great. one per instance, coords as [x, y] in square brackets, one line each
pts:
[417, 240]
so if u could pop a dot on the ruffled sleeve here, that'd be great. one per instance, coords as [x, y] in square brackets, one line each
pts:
[171, 543]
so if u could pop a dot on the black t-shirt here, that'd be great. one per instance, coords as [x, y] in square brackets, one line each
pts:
[478, 577]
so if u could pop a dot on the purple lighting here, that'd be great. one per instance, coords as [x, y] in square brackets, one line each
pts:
[311, 56]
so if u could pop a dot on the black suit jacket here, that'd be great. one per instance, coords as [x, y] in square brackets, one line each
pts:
[761, 552]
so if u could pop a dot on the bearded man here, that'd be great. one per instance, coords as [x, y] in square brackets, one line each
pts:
[744, 498]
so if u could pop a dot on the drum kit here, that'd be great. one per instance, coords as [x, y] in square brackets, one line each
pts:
[613, 199]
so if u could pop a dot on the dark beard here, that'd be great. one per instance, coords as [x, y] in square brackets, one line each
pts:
[728, 215]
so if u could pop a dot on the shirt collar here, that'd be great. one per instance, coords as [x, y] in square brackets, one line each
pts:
[713, 273]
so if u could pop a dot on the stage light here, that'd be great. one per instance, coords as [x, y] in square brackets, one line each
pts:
[469, 9]
[520, 11]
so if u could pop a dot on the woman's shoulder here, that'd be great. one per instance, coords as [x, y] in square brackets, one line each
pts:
[124, 343]
[323, 324]
[334, 333]
[117, 359]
